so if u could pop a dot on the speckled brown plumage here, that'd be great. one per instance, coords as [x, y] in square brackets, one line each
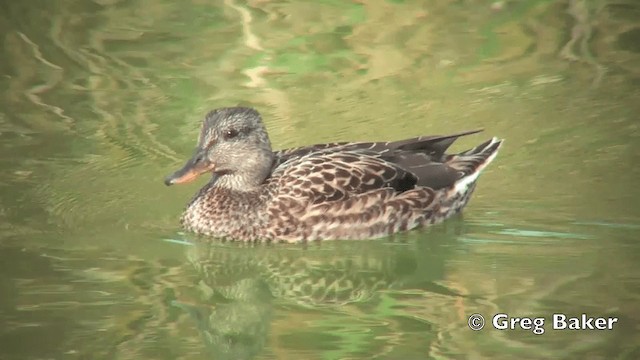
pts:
[324, 191]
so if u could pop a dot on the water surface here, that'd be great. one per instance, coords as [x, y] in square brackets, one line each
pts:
[99, 100]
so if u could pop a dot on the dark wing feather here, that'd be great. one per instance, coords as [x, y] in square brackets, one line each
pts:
[434, 145]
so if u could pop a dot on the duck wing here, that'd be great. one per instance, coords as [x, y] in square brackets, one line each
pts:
[329, 172]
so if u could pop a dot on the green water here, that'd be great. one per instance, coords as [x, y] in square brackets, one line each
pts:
[99, 100]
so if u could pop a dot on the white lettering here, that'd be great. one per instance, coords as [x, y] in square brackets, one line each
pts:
[500, 321]
[559, 322]
[504, 322]
[584, 322]
[574, 324]
[538, 328]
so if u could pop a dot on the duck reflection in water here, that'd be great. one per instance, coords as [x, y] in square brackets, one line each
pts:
[242, 286]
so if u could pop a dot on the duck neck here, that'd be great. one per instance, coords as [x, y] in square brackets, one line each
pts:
[249, 175]
[238, 182]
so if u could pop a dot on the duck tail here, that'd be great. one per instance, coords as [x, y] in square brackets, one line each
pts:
[471, 163]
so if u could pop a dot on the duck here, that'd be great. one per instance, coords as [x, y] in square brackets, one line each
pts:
[330, 191]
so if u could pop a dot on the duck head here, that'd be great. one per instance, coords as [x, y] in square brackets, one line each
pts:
[233, 146]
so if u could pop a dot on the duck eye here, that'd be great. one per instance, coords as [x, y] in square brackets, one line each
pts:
[230, 134]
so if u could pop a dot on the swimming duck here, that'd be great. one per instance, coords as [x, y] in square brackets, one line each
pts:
[347, 190]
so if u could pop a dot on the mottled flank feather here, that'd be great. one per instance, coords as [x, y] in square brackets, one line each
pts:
[324, 191]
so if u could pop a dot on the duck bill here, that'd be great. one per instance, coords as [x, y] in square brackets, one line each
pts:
[197, 165]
